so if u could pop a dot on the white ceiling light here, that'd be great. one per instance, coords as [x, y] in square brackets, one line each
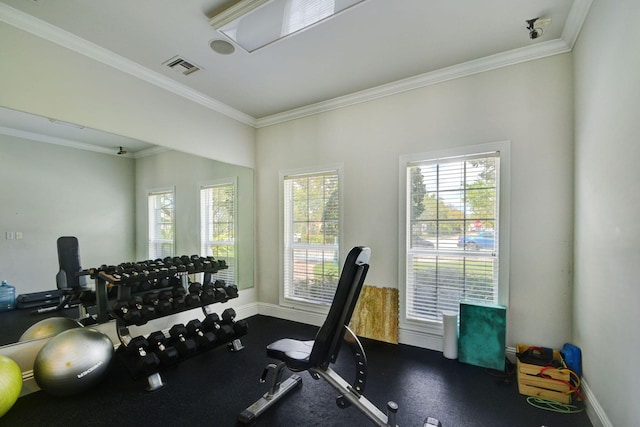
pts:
[253, 24]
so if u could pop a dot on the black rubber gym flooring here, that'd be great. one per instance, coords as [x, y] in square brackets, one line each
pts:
[210, 389]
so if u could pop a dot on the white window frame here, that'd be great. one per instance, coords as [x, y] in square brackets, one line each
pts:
[338, 168]
[230, 275]
[503, 147]
[154, 192]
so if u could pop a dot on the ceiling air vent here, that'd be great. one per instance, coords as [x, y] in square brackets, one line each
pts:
[180, 65]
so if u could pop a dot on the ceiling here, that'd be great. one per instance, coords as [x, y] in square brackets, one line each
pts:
[375, 48]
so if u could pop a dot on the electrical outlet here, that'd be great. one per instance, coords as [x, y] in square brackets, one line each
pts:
[10, 235]
[18, 235]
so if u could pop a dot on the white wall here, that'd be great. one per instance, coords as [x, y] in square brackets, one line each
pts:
[607, 229]
[530, 104]
[43, 78]
[50, 191]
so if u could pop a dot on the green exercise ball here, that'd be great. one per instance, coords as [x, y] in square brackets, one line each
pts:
[10, 383]
[72, 361]
[48, 328]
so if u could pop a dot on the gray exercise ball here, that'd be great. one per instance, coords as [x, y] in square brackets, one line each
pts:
[73, 361]
[48, 328]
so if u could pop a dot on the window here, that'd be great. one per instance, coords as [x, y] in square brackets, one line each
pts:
[453, 228]
[311, 236]
[161, 223]
[218, 226]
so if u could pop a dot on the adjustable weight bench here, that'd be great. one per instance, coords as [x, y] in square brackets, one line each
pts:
[316, 355]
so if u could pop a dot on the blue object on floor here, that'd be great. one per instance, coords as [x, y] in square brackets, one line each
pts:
[572, 356]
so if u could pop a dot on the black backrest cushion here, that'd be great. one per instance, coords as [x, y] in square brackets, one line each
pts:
[69, 259]
[329, 337]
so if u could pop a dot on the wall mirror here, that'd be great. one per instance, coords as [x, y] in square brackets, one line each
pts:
[60, 179]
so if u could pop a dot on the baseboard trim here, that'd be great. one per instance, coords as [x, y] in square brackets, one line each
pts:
[288, 313]
[595, 412]
[420, 339]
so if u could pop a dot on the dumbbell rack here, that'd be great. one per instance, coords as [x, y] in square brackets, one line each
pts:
[128, 276]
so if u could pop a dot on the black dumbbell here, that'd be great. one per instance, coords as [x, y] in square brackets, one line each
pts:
[195, 288]
[240, 327]
[129, 312]
[212, 323]
[186, 346]
[219, 295]
[168, 355]
[120, 308]
[178, 291]
[139, 313]
[197, 262]
[162, 306]
[146, 361]
[232, 291]
[175, 299]
[145, 285]
[174, 280]
[192, 300]
[207, 295]
[204, 339]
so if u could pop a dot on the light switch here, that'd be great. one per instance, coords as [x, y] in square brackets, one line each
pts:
[10, 235]
[18, 234]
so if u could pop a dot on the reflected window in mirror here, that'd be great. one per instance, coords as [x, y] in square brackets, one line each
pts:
[218, 225]
[161, 223]
[312, 206]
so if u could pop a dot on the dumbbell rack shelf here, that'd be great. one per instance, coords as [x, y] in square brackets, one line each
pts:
[142, 360]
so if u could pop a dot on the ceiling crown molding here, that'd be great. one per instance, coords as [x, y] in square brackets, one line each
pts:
[575, 19]
[33, 136]
[65, 142]
[505, 59]
[39, 28]
[577, 15]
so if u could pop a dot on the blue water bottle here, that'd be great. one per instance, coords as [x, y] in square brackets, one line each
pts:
[7, 296]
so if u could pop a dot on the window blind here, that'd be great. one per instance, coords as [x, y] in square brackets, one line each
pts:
[452, 234]
[161, 224]
[311, 236]
[299, 14]
[218, 227]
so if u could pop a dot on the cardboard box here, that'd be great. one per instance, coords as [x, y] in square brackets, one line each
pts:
[531, 383]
